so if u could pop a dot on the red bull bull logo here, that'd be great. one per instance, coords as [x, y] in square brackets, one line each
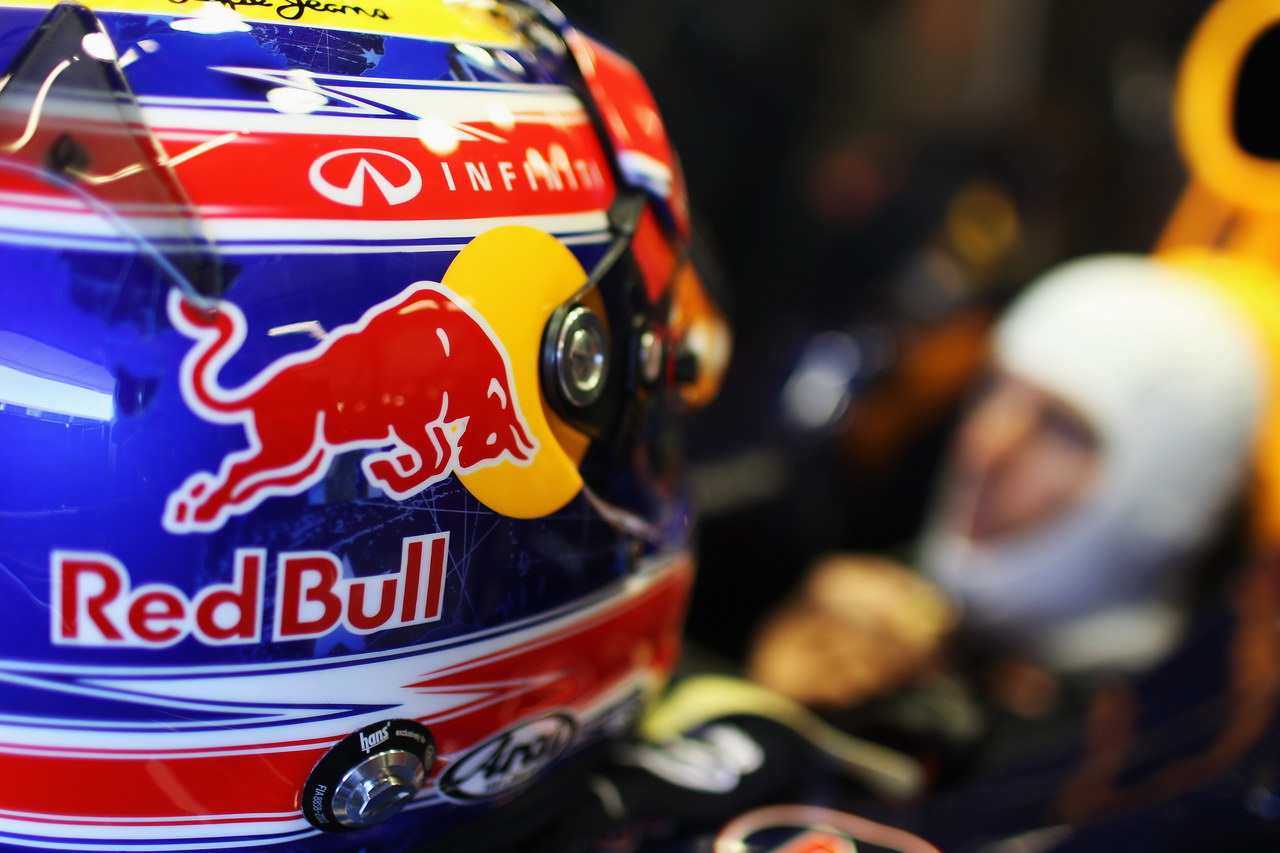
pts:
[421, 377]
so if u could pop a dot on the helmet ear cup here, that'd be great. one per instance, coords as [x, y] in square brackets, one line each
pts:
[517, 277]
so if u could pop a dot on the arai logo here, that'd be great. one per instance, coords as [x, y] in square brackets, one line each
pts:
[511, 759]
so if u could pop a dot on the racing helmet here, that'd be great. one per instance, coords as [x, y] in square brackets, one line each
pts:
[342, 347]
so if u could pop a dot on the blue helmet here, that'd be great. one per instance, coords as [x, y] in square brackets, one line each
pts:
[341, 351]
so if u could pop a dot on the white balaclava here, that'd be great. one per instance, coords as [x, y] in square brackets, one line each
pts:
[1173, 383]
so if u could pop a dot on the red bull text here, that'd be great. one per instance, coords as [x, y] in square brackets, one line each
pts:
[421, 377]
[94, 603]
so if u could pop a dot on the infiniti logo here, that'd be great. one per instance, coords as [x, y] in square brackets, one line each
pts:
[361, 166]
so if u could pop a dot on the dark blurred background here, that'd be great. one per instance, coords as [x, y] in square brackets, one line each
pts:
[873, 180]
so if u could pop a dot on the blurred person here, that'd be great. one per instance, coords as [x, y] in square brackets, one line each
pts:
[1086, 483]
[1098, 465]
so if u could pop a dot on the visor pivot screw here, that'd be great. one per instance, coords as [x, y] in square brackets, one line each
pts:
[378, 788]
[580, 357]
[650, 356]
[369, 776]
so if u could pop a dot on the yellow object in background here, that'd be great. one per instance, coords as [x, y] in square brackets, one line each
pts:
[1206, 109]
[1226, 227]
